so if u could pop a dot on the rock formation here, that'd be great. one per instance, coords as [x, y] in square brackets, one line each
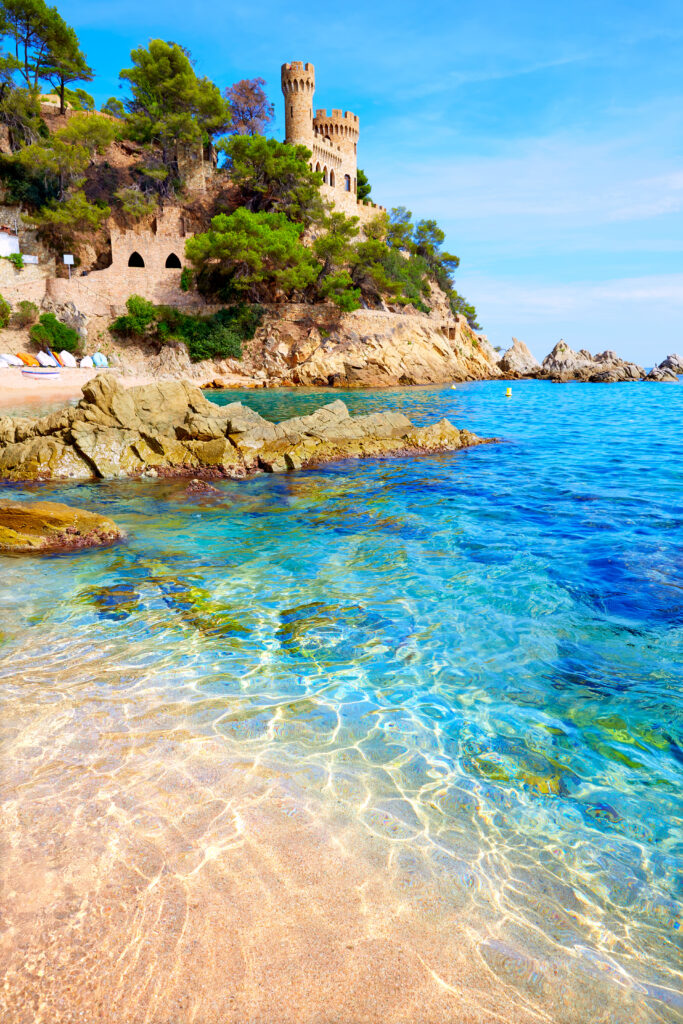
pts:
[315, 346]
[662, 373]
[518, 361]
[673, 362]
[564, 364]
[171, 429]
[43, 527]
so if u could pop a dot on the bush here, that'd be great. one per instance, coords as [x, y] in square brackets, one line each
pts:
[16, 259]
[5, 312]
[26, 313]
[52, 333]
[141, 315]
[186, 279]
[219, 336]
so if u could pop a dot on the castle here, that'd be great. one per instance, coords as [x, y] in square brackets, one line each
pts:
[332, 139]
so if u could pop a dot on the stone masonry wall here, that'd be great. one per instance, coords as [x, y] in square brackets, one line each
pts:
[331, 137]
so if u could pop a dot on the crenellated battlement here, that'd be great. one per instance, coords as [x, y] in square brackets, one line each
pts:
[331, 136]
[337, 115]
[297, 66]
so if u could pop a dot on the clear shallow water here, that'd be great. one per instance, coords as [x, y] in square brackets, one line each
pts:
[473, 661]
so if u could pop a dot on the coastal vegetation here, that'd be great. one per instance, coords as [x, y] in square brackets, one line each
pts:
[51, 332]
[218, 336]
[265, 231]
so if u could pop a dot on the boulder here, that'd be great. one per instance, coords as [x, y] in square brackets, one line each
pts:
[518, 361]
[170, 429]
[673, 362]
[46, 527]
[664, 374]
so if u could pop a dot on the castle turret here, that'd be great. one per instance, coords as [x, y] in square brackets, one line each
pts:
[342, 129]
[298, 86]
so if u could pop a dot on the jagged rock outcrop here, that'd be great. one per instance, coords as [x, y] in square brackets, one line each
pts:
[518, 361]
[43, 527]
[367, 349]
[171, 429]
[662, 373]
[564, 364]
[673, 362]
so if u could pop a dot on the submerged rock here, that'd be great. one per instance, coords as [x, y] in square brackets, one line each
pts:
[171, 429]
[48, 527]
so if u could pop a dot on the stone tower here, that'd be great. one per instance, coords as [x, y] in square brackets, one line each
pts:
[298, 86]
[332, 139]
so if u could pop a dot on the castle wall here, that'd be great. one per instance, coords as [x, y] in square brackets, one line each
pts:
[331, 137]
[104, 292]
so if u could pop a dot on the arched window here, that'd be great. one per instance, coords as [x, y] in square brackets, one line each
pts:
[173, 263]
[347, 182]
[136, 260]
[325, 176]
[317, 167]
[332, 179]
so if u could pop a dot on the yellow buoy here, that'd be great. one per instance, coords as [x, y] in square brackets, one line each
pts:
[508, 393]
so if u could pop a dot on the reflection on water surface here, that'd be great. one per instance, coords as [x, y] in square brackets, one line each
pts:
[401, 738]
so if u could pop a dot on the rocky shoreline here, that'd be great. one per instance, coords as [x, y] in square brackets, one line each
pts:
[170, 429]
[563, 364]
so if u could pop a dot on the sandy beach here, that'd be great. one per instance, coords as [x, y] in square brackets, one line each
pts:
[18, 390]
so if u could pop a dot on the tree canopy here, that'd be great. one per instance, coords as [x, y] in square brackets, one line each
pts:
[275, 177]
[251, 110]
[169, 106]
[250, 255]
[45, 47]
[363, 186]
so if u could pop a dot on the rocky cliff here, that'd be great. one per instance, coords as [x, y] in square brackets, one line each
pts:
[171, 429]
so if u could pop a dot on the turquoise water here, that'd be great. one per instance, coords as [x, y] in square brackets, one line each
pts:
[477, 657]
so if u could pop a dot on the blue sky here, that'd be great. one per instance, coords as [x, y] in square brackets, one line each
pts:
[546, 138]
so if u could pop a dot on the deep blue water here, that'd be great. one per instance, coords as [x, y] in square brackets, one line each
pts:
[480, 654]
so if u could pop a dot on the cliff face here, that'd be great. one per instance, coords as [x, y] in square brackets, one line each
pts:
[308, 345]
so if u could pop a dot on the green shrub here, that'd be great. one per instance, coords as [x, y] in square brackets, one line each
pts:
[219, 336]
[52, 332]
[186, 279]
[141, 315]
[5, 312]
[26, 313]
[16, 259]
